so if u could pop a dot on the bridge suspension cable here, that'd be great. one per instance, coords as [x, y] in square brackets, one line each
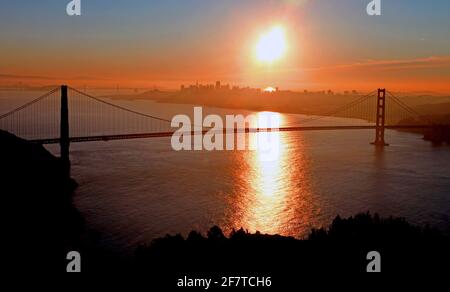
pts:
[35, 119]
[30, 103]
[118, 106]
[335, 112]
[409, 109]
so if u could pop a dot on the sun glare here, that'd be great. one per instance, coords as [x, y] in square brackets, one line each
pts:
[270, 89]
[271, 45]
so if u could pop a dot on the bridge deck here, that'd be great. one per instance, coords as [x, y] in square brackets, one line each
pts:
[246, 130]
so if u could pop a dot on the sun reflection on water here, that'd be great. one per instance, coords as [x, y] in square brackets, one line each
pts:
[267, 181]
[271, 200]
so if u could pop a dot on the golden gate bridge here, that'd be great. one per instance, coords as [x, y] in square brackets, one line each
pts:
[66, 115]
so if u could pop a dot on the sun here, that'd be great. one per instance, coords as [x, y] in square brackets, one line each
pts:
[270, 89]
[271, 45]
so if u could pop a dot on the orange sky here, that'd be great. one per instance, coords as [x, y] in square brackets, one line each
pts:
[330, 46]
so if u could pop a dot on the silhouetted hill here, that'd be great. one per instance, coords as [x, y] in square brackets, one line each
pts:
[439, 110]
[438, 134]
[40, 220]
[154, 94]
[341, 248]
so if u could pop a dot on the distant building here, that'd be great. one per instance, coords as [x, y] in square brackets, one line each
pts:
[218, 86]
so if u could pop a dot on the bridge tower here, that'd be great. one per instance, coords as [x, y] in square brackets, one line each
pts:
[381, 117]
[64, 141]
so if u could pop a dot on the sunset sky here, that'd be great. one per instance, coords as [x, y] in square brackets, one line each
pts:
[141, 43]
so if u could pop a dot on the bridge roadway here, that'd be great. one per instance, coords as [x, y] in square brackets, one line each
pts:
[236, 130]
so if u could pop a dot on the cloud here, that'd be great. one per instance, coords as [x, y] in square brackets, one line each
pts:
[296, 2]
[38, 77]
[419, 63]
[11, 76]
